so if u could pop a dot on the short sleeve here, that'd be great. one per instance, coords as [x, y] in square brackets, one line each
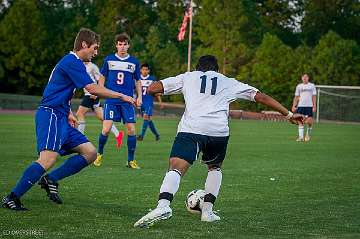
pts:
[243, 91]
[77, 73]
[297, 90]
[105, 68]
[137, 71]
[314, 90]
[173, 85]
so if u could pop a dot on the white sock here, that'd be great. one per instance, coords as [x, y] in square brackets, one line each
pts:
[212, 185]
[114, 130]
[81, 127]
[308, 131]
[301, 131]
[170, 184]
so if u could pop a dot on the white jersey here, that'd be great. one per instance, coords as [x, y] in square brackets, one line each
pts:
[207, 97]
[306, 92]
[94, 73]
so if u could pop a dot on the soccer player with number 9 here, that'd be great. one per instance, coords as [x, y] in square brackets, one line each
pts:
[121, 73]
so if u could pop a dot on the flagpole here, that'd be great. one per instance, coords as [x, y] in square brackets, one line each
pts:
[190, 38]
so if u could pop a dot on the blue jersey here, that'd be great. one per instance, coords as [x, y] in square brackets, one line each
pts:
[147, 99]
[67, 76]
[120, 74]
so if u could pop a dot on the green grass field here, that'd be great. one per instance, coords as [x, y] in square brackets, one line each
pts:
[315, 194]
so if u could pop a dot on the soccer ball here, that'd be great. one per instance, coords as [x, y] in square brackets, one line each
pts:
[195, 200]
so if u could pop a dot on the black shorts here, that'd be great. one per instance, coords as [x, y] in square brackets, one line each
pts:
[187, 146]
[90, 103]
[307, 111]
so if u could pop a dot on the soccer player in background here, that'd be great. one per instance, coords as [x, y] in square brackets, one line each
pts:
[305, 103]
[121, 72]
[55, 132]
[203, 128]
[92, 102]
[148, 103]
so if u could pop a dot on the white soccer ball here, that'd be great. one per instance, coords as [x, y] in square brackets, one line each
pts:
[195, 200]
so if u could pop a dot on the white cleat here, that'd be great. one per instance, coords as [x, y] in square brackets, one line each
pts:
[209, 216]
[159, 213]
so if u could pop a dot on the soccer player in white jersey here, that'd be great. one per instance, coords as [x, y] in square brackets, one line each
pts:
[305, 103]
[92, 102]
[203, 128]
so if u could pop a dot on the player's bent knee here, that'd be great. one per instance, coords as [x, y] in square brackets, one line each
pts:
[179, 164]
[88, 151]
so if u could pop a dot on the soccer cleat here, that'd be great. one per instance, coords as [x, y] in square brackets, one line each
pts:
[159, 213]
[157, 137]
[12, 202]
[98, 160]
[209, 216]
[307, 138]
[140, 138]
[119, 139]
[51, 189]
[132, 164]
[299, 140]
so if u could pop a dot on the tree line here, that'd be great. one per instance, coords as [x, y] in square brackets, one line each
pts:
[265, 43]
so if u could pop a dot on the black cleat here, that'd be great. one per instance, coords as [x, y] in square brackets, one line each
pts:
[140, 138]
[157, 137]
[12, 202]
[51, 189]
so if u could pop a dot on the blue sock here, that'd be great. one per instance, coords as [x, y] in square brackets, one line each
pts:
[131, 143]
[153, 129]
[30, 176]
[102, 142]
[71, 166]
[144, 128]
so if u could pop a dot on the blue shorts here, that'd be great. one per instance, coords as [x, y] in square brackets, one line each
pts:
[147, 109]
[307, 111]
[118, 113]
[187, 146]
[54, 133]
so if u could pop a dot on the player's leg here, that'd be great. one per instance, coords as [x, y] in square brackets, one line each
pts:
[144, 126]
[309, 122]
[30, 176]
[152, 125]
[75, 142]
[184, 152]
[128, 117]
[48, 136]
[213, 155]
[300, 138]
[86, 105]
[103, 137]
[80, 114]
[131, 144]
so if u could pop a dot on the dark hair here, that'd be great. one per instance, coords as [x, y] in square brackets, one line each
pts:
[85, 35]
[145, 65]
[122, 37]
[207, 63]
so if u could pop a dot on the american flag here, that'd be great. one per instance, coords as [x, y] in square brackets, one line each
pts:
[186, 18]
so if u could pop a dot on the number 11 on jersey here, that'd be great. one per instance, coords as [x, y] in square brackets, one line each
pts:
[203, 84]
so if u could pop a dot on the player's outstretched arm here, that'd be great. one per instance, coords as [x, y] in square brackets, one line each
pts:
[156, 88]
[274, 104]
[101, 91]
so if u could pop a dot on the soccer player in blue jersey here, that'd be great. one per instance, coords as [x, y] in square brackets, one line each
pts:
[148, 102]
[121, 73]
[55, 123]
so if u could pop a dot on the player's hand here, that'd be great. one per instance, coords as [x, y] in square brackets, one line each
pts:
[128, 99]
[138, 102]
[297, 118]
[93, 97]
[293, 109]
[162, 106]
[72, 121]
[314, 109]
